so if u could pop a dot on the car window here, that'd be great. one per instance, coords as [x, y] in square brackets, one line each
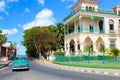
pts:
[20, 58]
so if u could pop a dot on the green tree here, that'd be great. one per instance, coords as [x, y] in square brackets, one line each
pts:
[89, 49]
[34, 37]
[102, 49]
[43, 40]
[29, 43]
[3, 38]
[60, 35]
[115, 51]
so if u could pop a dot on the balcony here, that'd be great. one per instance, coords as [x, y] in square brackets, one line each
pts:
[112, 32]
[92, 31]
[86, 31]
[99, 10]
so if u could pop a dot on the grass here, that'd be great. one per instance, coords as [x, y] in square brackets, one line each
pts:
[91, 64]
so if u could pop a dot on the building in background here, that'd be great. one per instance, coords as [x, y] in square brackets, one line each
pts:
[89, 24]
[8, 50]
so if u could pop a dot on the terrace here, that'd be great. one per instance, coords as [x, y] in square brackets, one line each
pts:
[99, 10]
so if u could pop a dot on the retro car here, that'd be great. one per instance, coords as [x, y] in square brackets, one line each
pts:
[20, 62]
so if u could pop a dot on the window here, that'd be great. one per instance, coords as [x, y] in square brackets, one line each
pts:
[90, 9]
[111, 24]
[78, 46]
[119, 12]
[119, 21]
[91, 28]
[87, 8]
[112, 43]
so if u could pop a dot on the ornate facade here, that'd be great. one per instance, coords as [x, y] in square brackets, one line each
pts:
[88, 24]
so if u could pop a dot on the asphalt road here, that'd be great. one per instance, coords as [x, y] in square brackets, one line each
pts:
[40, 72]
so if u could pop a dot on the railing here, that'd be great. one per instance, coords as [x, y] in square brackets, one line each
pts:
[84, 59]
[103, 11]
[112, 32]
[86, 31]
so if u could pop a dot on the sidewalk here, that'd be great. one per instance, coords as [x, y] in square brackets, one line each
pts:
[4, 64]
[111, 72]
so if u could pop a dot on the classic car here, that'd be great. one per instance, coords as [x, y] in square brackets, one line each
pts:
[20, 62]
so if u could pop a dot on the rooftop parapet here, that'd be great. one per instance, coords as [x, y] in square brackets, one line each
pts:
[99, 10]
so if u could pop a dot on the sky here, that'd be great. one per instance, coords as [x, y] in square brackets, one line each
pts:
[19, 15]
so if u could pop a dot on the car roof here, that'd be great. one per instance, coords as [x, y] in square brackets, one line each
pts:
[21, 56]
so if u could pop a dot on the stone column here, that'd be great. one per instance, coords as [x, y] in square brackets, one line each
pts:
[76, 48]
[80, 24]
[67, 49]
[75, 27]
[92, 18]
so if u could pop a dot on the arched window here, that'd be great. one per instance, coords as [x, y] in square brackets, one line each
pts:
[101, 26]
[90, 8]
[111, 24]
[87, 8]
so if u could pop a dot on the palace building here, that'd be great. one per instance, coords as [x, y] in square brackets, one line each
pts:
[88, 24]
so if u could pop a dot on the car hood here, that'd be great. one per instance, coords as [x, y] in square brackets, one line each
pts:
[19, 62]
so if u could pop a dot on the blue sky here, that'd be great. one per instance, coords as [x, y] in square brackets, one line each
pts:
[18, 15]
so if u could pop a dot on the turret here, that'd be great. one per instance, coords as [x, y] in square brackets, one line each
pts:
[117, 10]
[93, 4]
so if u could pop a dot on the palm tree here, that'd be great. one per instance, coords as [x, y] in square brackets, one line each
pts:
[102, 49]
[60, 35]
[89, 49]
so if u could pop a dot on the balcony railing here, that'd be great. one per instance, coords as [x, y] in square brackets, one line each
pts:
[92, 31]
[99, 10]
[112, 31]
[85, 31]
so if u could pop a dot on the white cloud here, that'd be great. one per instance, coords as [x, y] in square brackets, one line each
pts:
[43, 18]
[9, 32]
[12, 0]
[2, 6]
[41, 2]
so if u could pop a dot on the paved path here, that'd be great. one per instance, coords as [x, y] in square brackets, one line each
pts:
[4, 63]
[112, 72]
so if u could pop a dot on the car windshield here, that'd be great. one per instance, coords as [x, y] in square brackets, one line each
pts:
[20, 58]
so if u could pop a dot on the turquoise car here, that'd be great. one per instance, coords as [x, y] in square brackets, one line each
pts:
[20, 62]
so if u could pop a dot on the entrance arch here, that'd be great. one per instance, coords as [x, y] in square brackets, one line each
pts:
[72, 47]
[99, 42]
[88, 41]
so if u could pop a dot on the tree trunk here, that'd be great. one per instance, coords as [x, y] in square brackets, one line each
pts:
[0, 50]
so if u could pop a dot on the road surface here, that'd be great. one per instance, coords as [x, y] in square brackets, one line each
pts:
[40, 72]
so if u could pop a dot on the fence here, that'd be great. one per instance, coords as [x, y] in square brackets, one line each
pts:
[88, 59]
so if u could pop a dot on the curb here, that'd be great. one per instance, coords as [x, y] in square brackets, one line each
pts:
[89, 71]
[78, 69]
[5, 65]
